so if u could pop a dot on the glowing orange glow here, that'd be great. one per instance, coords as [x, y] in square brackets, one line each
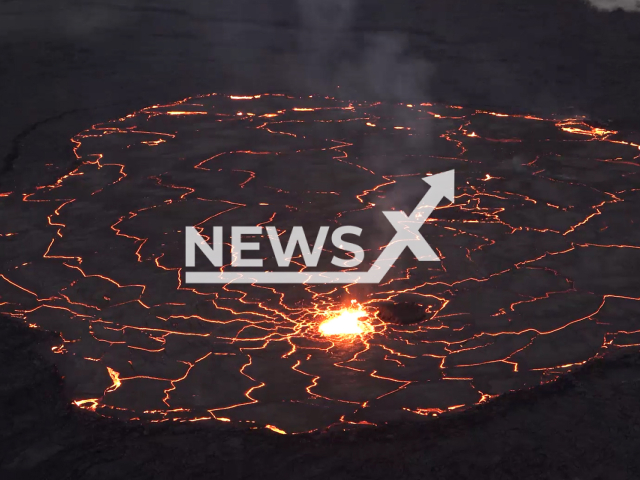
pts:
[115, 376]
[347, 321]
[89, 403]
[154, 143]
[178, 112]
[244, 97]
[276, 429]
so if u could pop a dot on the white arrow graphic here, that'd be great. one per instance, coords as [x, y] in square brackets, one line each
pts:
[442, 185]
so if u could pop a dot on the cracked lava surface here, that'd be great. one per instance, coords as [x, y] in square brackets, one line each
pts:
[540, 254]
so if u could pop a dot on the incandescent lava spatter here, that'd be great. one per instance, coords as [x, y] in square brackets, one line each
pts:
[538, 274]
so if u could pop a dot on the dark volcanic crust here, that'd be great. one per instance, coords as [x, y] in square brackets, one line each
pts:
[403, 313]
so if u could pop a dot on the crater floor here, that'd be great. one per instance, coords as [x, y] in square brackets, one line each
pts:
[537, 275]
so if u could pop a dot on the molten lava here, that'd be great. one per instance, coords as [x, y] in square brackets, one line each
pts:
[346, 322]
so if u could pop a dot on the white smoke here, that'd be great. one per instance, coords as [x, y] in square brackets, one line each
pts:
[366, 64]
[628, 5]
